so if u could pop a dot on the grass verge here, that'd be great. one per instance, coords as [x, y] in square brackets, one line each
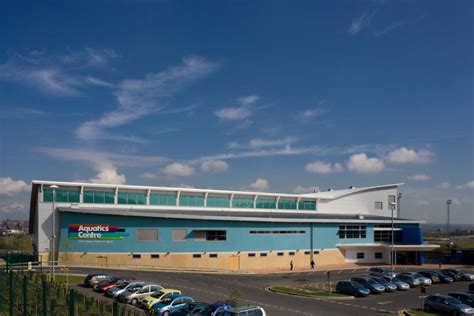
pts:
[303, 292]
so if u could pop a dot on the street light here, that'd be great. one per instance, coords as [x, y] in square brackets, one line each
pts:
[53, 232]
[448, 224]
[392, 207]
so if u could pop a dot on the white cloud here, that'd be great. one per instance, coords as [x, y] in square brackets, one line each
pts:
[467, 185]
[259, 143]
[361, 22]
[56, 74]
[177, 169]
[238, 113]
[214, 166]
[310, 114]
[10, 187]
[444, 185]
[363, 164]
[323, 167]
[301, 189]
[422, 203]
[108, 175]
[419, 177]
[140, 97]
[13, 208]
[404, 155]
[258, 185]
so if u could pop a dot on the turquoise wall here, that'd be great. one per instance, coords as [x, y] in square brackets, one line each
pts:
[238, 237]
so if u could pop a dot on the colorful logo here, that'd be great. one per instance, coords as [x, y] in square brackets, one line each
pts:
[96, 231]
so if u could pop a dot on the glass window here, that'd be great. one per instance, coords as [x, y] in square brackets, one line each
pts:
[360, 255]
[266, 203]
[218, 201]
[147, 234]
[163, 199]
[122, 198]
[99, 197]
[191, 200]
[242, 202]
[287, 204]
[378, 205]
[352, 231]
[88, 197]
[179, 234]
[132, 198]
[109, 197]
[216, 235]
[141, 198]
[62, 195]
[307, 205]
[378, 255]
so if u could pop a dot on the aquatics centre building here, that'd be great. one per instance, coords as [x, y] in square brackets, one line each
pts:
[111, 225]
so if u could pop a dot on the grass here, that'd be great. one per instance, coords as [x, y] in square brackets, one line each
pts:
[72, 279]
[303, 292]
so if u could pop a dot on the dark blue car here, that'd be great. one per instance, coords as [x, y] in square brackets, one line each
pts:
[351, 288]
[371, 284]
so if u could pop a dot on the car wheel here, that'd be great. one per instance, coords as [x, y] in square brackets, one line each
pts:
[427, 308]
[134, 302]
[166, 313]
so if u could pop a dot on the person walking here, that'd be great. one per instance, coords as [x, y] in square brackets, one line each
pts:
[312, 264]
[291, 265]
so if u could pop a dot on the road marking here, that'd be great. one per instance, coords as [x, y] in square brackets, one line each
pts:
[383, 303]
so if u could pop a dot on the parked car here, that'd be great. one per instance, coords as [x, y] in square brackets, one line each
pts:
[423, 280]
[465, 276]
[465, 298]
[351, 288]
[191, 309]
[148, 301]
[381, 272]
[456, 277]
[401, 286]
[411, 280]
[443, 278]
[116, 291]
[104, 287]
[444, 303]
[370, 284]
[112, 280]
[389, 286]
[172, 303]
[217, 307]
[92, 279]
[430, 275]
[243, 311]
[134, 296]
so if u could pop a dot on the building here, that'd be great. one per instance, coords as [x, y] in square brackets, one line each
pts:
[230, 230]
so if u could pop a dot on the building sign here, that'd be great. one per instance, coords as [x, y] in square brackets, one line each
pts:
[96, 231]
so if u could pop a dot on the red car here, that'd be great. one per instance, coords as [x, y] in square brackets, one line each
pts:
[116, 281]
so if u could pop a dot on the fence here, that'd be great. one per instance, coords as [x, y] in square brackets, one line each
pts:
[31, 294]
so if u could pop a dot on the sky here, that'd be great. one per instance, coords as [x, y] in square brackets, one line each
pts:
[278, 96]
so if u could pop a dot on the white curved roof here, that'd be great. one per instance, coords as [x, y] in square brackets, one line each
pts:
[334, 194]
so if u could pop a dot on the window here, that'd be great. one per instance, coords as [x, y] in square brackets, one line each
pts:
[218, 201]
[307, 205]
[266, 203]
[251, 254]
[210, 235]
[263, 254]
[213, 255]
[191, 200]
[131, 198]
[287, 204]
[378, 205]
[360, 255]
[291, 253]
[386, 236]
[242, 202]
[62, 195]
[196, 255]
[316, 252]
[277, 232]
[163, 199]
[147, 234]
[307, 253]
[179, 234]
[280, 254]
[99, 197]
[352, 231]
[155, 256]
[378, 255]
[391, 199]
[136, 256]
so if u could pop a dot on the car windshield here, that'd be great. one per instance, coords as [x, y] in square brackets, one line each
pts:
[396, 280]
[417, 275]
[357, 285]
[452, 301]
[371, 281]
[167, 301]
[157, 294]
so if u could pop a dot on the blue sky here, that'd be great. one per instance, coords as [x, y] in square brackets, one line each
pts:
[270, 95]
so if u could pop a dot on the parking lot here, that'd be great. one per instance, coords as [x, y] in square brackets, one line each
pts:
[212, 287]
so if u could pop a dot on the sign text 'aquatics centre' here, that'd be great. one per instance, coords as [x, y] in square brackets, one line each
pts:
[96, 231]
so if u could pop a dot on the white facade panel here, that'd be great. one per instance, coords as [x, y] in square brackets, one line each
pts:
[369, 256]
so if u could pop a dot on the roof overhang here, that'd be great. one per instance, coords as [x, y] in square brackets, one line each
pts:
[383, 246]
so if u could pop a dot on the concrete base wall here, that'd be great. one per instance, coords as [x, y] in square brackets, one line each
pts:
[224, 260]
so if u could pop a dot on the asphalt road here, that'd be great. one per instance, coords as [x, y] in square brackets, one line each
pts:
[212, 287]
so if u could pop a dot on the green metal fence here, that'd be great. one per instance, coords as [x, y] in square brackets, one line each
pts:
[31, 294]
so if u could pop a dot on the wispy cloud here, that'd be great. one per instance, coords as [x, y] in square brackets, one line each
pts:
[301, 189]
[260, 143]
[467, 185]
[323, 167]
[20, 112]
[419, 177]
[361, 22]
[62, 75]
[140, 97]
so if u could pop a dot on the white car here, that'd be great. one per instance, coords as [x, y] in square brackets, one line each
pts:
[116, 291]
[135, 296]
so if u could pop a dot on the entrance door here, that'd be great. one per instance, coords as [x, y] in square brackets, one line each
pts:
[234, 263]
[406, 257]
[101, 261]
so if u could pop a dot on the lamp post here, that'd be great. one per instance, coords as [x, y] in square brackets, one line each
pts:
[53, 232]
[392, 207]
[448, 223]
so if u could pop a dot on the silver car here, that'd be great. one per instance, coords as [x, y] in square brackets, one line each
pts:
[401, 286]
[423, 280]
[136, 295]
[381, 272]
[115, 292]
